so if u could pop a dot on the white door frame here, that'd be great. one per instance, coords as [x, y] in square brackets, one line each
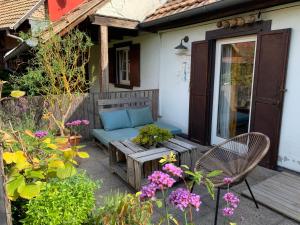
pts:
[214, 138]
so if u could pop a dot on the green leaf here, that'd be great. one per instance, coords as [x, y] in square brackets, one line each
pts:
[210, 188]
[190, 173]
[68, 171]
[34, 174]
[17, 94]
[29, 191]
[83, 155]
[214, 173]
[13, 184]
[159, 203]
[185, 167]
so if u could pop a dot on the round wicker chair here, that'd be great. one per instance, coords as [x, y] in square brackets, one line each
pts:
[236, 157]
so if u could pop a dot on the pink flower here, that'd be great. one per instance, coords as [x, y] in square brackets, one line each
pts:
[231, 199]
[181, 198]
[40, 134]
[227, 180]
[228, 211]
[148, 191]
[173, 170]
[85, 122]
[161, 180]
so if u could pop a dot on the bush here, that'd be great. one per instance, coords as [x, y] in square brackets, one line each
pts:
[150, 135]
[68, 201]
[125, 209]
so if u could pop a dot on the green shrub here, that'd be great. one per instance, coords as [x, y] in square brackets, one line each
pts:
[68, 201]
[125, 209]
[150, 135]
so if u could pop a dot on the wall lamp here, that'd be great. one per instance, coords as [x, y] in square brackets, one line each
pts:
[181, 49]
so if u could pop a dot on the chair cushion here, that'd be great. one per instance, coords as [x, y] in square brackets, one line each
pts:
[174, 130]
[105, 137]
[141, 116]
[115, 119]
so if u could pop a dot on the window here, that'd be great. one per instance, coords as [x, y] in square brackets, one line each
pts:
[123, 65]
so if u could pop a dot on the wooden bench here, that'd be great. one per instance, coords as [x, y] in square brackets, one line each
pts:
[134, 163]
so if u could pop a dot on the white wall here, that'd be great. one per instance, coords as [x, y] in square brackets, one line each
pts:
[131, 9]
[174, 91]
[149, 64]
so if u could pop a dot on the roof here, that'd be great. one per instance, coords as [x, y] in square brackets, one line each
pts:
[14, 12]
[172, 7]
[74, 17]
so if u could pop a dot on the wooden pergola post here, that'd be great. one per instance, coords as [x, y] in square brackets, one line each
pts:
[103, 43]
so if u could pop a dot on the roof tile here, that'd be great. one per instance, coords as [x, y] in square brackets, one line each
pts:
[11, 11]
[172, 7]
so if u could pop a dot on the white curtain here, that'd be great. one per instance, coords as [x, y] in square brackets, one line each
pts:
[225, 93]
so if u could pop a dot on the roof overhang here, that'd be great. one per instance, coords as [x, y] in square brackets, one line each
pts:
[114, 22]
[208, 12]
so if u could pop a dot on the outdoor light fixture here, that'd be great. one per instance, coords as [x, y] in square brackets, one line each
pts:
[181, 49]
[181, 46]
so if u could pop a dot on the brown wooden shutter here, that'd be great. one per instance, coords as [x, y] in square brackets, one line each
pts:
[200, 92]
[134, 57]
[112, 65]
[269, 88]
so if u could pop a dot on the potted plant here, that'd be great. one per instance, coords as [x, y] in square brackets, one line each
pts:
[150, 135]
[75, 127]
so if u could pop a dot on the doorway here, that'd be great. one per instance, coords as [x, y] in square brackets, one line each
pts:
[233, 87]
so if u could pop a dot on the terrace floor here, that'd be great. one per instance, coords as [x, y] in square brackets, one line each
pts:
[97, 167]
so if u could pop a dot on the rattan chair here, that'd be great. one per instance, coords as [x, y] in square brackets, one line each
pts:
[236, 157]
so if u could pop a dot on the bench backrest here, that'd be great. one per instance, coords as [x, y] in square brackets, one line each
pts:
[107, 105]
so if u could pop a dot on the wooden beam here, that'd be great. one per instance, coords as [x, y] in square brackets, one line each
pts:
[103, 43]
[114, 22]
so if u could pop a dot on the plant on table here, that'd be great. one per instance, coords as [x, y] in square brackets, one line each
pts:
[74, 128]
[151, 135]
[68, 201]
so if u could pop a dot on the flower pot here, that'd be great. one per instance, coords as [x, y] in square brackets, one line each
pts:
[75, 140]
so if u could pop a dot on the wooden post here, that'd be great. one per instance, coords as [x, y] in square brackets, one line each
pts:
[103, 43]
[5, 210]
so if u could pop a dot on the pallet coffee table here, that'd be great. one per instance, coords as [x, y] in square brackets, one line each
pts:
[134, 163]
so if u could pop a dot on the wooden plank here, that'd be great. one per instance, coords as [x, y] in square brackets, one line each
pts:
[115, 22]
[281, 193]
[122, 148]
[134, 147]
[182, 143]
[130, 171]
[118, 101]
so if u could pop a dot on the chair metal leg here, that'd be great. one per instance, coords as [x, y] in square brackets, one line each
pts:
[217, 207]
[254, 200]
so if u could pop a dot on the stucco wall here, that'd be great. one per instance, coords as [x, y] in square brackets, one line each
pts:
[149, 64]
[131, 9]
[174, 92]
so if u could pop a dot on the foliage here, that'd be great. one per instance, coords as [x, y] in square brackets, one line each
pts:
[68, 201]
[4, 78]
[180, 198]
[125, 209]
[150, 135]
[58, 72]
[33, 158]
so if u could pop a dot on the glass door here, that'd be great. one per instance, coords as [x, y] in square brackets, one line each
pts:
[234, 69]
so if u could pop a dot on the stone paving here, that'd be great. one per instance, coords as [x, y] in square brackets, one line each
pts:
[97, 167]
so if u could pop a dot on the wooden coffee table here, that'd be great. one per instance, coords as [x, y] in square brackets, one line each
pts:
[134, 163]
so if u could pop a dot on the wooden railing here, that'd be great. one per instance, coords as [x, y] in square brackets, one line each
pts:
[85, 106]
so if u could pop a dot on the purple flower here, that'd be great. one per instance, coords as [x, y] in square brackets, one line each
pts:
[85, 122]
[227, 180]
[231, 199]
[40, 134]
[161, 180]
[148, 191]
[181, 198]
[74, 123]
[228, 211]
[173, 170]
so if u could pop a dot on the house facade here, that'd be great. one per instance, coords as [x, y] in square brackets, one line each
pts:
[234, 77]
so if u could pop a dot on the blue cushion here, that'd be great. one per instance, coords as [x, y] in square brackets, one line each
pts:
[174, 130]
[115, 120]
[139, 117]
[115, 135]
